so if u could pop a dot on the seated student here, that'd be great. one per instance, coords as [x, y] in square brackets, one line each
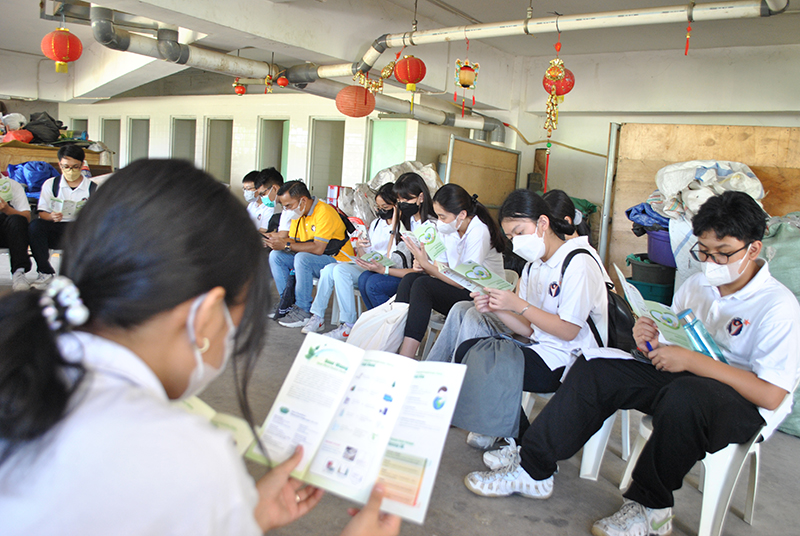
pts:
[317, 238]
[59, 203]
[698, 404]
[15, 214]
[470, 234]
[260, 192]
[465, 322]
[546, 308]
[414, 207]
[343, 276]
[89, 443]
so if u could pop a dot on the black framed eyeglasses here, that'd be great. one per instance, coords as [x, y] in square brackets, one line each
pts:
[717, 258]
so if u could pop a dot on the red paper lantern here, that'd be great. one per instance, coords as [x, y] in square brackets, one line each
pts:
[355, 101]
[409, 71]
[559, 77]
[61, 47]
[282, 81]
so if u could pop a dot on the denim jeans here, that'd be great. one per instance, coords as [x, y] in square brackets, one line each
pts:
[341, 278]
[306, 267]
[376, 289]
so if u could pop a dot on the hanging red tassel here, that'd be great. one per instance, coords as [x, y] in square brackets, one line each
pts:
[688, 35]
[455, 96]
[462, 107]
[546, 167]
[473, 101]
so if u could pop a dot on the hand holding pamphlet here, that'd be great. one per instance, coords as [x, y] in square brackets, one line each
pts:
[363, 416]
[377, 258]
[5, 190]
[475, 277]
[428, 235]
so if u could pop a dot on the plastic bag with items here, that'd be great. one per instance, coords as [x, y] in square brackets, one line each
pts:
[391, 174]
[687, 185]
[32, 175]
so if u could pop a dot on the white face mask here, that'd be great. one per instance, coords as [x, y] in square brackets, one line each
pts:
[297, 212]
[448, 228]
[530, 247]
[203, 373]
[249, 195]
[723, 274]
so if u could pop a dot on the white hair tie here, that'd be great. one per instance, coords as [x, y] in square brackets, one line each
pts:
[61, 301]
[578, 218]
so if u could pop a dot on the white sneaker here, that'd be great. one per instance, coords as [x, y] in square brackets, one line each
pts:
[341, 333]
[296, 318]
[42, 281]
[313, 325]
[502, 457]
[508, 481]
[634, 519]
[19, 282]
[480, 441]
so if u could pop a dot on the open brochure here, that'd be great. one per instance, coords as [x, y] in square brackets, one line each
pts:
[5, 190]
[475, 277]
[68, 209]
[374, 256]
[428, 235]
[361, 417]
[665, 318]
[243, 437]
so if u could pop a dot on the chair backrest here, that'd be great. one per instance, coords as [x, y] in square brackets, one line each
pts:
[778, 415]
[512, 276]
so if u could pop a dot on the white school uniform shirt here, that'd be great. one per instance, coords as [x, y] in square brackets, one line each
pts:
[583, 241]
[582, 292]
[79, 195]
[285, 223]
[474, 246]
[380, 233]
[260, 214]
[19, 201]
[757, 328]
[124, 461]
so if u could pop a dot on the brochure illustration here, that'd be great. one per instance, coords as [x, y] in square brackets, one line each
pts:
[475, 277]
[428, 235]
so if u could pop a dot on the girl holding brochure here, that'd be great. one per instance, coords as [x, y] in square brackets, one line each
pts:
[341, 277]
[414, 207]
[465, 322]
[549, 310]
[470, 235]
[140, 317]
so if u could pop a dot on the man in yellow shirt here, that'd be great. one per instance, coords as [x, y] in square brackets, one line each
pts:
[317, 237]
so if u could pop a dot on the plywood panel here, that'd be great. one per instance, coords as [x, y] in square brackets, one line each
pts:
[484, 170]
[773, 153]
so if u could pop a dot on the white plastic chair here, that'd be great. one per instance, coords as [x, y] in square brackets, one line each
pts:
[595, 448]
[335, 306]
[720, 472]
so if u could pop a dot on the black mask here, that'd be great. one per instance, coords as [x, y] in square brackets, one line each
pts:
[385, 214]
[408, 209]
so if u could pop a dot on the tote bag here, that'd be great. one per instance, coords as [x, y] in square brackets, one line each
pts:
[380, 328]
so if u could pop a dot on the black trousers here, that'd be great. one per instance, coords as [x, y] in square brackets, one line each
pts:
[45, 235]
[14, 236]
[423, 294]
[691, 416]
[537, 376]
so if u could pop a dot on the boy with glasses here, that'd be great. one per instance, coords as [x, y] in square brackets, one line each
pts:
[698, 404]
[59, 203]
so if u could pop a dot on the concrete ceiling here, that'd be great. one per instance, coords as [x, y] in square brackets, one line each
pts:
[21, 28]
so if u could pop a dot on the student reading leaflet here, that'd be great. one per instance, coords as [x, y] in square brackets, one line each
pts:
[363, 416]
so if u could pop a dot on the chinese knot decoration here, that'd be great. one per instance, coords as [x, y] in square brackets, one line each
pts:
[557, 81]
[238, 88]
[374, 85]
[466, 77]
[62, 47]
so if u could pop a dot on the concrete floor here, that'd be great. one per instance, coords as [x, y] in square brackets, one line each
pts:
[575, 503]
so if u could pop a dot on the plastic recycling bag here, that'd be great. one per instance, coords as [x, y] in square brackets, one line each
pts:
[32, 175]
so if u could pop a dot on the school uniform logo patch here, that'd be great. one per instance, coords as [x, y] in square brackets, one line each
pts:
[313, 228]
[736, 325]
[554, 289]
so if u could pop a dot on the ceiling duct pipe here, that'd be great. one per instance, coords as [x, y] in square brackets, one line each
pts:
[114, 38]
[736, 9]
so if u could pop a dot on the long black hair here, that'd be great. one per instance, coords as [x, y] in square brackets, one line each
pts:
[529, 205]
[410, 185]
[454, 198]
[563, 207]
[132, 255]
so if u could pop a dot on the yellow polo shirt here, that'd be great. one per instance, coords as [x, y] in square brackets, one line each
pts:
[322, 223]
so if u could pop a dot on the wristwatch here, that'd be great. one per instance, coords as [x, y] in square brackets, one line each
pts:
[288, 247]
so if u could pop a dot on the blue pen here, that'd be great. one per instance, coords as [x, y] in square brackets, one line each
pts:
[649, 348]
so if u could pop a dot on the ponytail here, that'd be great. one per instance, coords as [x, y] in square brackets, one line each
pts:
[562, 207]
[453, 198]
[525, 204]
[36, 382]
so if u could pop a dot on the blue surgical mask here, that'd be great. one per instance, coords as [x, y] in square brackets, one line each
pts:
[267, 201]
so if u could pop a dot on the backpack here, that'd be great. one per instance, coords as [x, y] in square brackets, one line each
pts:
[44, 128]
[620, 315]
[57, 186]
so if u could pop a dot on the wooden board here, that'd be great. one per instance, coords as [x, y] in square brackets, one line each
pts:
[773, 153]
[483, 169]
[17, 152]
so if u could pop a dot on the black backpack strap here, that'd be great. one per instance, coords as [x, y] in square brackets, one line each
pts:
[92, 187]
[589, 320]
[56, 185]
